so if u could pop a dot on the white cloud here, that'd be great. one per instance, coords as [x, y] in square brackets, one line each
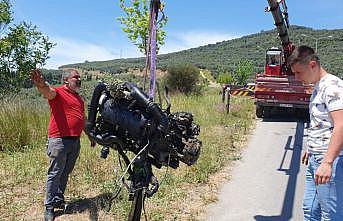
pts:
[198, 38]
[192, 39]
[68, 51]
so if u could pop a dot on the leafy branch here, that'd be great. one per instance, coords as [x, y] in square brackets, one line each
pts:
[136, 24]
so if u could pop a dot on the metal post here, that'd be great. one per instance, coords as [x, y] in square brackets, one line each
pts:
[223, 94]
[228, 101]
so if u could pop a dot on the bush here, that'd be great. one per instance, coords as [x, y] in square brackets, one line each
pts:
[225, 78]
[243, 71]
[183, 78]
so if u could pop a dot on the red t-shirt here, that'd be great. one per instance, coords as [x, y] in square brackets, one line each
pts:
[66, 113]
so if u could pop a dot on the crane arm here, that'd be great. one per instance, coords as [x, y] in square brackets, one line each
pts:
[282, 24]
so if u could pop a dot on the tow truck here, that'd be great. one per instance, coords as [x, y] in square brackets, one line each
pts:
[277, 88]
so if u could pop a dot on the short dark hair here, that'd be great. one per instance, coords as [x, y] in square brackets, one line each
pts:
[303, 54]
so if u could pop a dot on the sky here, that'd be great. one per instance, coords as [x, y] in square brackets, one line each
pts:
[88, 29]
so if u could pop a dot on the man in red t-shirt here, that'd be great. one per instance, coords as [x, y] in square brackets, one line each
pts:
[65, 127]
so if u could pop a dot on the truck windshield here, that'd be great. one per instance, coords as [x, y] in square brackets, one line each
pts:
[273, 58]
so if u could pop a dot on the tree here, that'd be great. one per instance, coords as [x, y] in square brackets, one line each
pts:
[5, 15]
[136, 24]
[243, 71]
[22, 49]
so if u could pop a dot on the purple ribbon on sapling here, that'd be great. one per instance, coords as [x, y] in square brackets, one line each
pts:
[153, 44]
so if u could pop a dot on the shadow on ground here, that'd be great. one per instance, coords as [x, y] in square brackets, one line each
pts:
[90, 205]
[292, 172]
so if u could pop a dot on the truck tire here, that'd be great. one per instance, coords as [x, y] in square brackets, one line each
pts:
[267, 112]
[259, 111]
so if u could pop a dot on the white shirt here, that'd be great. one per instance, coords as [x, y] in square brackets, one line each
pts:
[327, 96]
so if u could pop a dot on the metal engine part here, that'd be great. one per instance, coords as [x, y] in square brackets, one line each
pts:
[122, 116]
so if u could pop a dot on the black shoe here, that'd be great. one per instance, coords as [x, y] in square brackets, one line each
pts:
[60, 205]
[49, 214]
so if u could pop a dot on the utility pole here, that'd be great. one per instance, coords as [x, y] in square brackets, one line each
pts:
[317, 39]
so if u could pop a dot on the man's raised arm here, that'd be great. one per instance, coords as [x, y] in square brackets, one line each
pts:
[42, 86]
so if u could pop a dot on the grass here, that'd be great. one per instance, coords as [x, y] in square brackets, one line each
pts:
[22, 123]
[183, 193]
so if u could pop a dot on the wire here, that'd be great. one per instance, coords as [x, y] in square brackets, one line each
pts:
[125, 172]
[144, 189]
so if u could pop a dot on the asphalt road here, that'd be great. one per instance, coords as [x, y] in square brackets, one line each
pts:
[267, 183]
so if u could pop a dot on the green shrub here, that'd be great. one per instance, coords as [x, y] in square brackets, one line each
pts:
[225, 78]
[183, 78]
[243, 71]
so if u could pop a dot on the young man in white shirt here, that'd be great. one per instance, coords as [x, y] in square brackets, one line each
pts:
[323, 198]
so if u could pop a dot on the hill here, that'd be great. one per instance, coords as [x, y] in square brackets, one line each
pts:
[226, 54]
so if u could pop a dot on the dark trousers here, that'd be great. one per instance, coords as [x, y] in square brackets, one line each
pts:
[63, 153]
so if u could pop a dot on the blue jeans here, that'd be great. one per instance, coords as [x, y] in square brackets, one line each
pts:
[324, 201]
[63, 153]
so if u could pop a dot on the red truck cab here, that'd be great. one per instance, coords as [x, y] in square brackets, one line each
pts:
[273, 62]
[275, 89]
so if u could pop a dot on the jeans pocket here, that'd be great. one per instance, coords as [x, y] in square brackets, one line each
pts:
[55, 147]
[339, 169]
[318, 158]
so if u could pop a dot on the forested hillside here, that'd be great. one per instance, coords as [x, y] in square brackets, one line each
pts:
[224, 56]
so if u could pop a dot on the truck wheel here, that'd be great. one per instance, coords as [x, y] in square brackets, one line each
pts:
[259, 111]
[267, 112]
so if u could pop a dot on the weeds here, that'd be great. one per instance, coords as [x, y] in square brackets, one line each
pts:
[22, 124]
